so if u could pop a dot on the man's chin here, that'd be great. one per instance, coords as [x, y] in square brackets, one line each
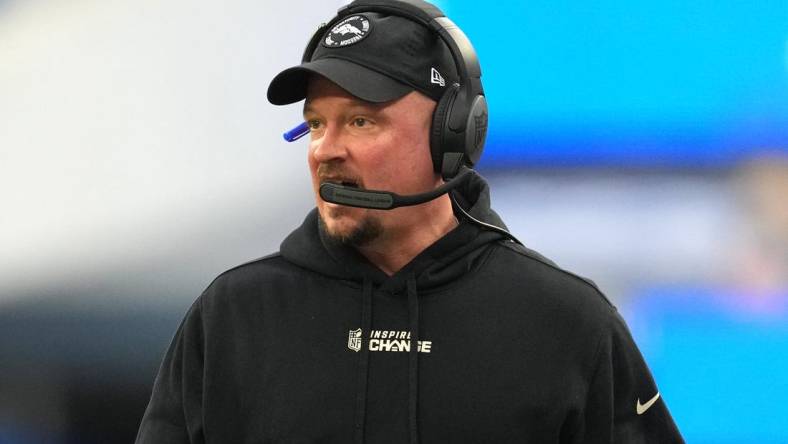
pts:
[339, 220]
[348, 230]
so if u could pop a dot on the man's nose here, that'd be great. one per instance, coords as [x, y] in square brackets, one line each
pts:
[331, 146]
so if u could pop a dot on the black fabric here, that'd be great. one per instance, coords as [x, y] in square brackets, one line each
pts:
[363, 362]
[504, 347]
[413, 360]
[364, 83]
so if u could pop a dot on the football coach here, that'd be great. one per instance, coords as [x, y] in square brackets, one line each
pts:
[401, 310]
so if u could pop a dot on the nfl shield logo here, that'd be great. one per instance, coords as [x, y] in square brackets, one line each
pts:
[354, 339]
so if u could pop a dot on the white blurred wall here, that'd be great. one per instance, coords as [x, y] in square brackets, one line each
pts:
[135, 136]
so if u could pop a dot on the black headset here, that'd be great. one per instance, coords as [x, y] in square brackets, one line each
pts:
[459, 123]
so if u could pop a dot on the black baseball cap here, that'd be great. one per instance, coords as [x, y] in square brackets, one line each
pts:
[375, 57]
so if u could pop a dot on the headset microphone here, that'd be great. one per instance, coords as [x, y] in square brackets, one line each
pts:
[386, 200]
[381, 200]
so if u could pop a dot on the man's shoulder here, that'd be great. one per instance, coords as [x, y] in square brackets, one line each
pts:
[540, 263]
[542, 279]
[250, 276]
[253, 266]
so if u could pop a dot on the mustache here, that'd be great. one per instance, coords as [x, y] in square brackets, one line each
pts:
[333, 171]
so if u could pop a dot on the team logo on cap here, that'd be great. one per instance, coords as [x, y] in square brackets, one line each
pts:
[347, 32]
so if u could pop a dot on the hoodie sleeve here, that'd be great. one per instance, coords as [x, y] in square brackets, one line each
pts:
[174, 413]
[623, 404]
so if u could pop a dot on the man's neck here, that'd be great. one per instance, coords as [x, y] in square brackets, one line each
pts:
[394, 250]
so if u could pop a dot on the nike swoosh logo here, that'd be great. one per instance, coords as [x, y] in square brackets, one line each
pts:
[641, 408]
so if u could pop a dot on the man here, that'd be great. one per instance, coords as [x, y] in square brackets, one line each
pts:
[424, 323]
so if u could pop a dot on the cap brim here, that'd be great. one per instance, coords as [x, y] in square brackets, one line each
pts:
[289, 86]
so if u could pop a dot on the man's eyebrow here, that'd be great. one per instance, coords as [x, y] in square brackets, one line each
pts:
[367, 107]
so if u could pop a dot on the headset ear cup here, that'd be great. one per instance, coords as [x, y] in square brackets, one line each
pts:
[476, 130]
[439, 123]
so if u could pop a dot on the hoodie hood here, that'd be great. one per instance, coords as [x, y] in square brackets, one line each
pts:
[442, 262]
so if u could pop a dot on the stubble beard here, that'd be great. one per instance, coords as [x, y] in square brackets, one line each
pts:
[367, 230]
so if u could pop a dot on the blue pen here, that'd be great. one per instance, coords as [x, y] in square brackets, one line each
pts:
[296, 133]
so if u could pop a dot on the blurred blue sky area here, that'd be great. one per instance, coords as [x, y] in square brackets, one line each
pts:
[669, 83]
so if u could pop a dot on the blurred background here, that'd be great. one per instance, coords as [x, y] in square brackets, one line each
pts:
[642, 145]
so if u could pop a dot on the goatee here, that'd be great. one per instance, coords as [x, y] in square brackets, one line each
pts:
[367, 230]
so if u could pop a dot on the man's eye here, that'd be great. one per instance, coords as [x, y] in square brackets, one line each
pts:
[313, 124]
[359, 121]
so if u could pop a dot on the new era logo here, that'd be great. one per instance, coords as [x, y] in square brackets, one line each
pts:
[437, 78]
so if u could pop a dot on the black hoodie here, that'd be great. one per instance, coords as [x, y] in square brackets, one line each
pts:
[313, 345]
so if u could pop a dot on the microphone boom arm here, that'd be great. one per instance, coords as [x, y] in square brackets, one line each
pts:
[385, 200]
